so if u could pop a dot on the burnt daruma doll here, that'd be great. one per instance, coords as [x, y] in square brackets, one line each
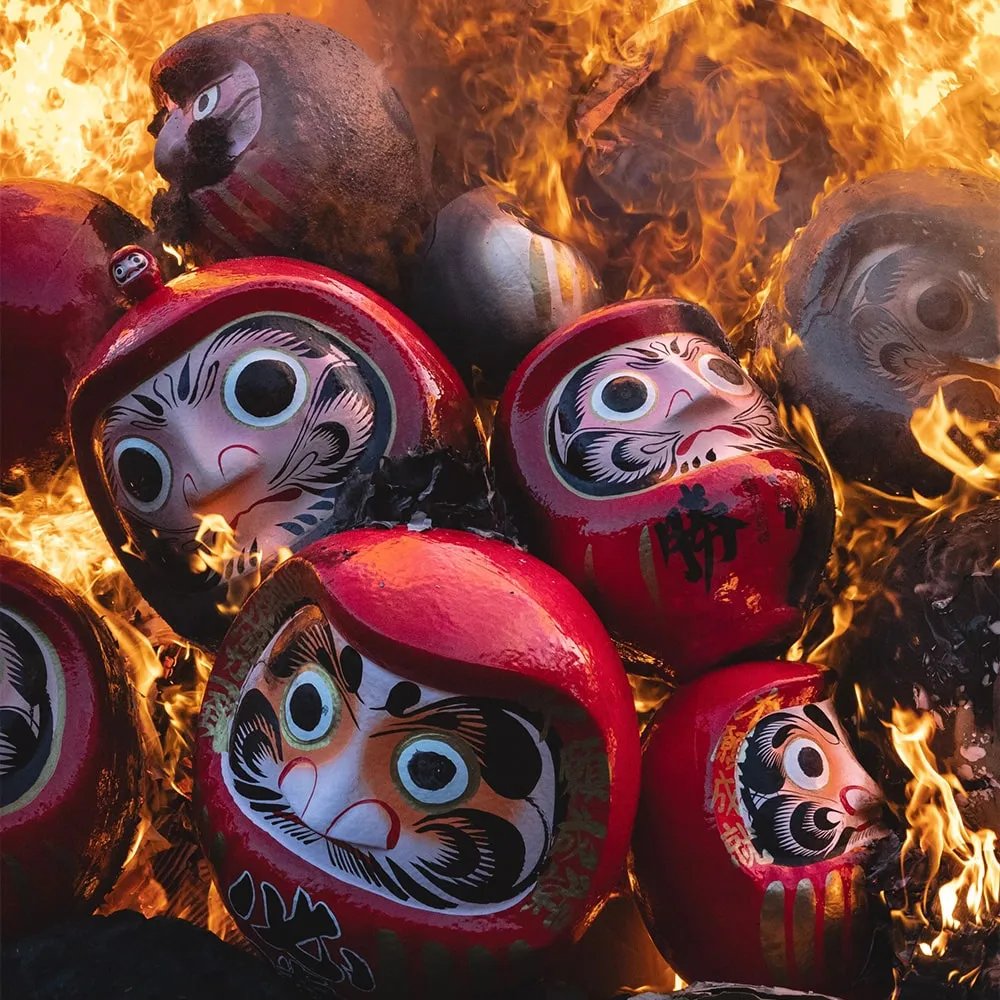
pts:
[656, 475]
[753, 820]
[278, 135]
[491, 284]
[57, 301]
[416, 764]
[250, 390]
[70, 768]
[887, 297]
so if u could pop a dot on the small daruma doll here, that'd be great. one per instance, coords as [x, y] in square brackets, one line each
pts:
[70, 768]
[223, 414]
[656, 475]
[416, 765]
[753, 822]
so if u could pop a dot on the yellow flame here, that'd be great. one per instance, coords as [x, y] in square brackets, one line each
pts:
[937, 830]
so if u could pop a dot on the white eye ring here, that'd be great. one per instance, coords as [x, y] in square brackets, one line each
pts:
[120, 271]
[604, 411]
[160, 457]
[459, 785]
[205, 103]
[720, 382]
[794, 770]
[329, 708]
[236, 369]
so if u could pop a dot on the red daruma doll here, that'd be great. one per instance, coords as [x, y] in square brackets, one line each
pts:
[657, 476]
[69, 754]
[416, 765]
[249, 390]
[753, 820]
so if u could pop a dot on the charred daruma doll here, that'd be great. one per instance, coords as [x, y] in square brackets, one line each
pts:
[250, 390]
[69, 754]
[752, 822]
[491, 284]
[416, 765]
[278, 135]
[57, 301]
[656, 475]
[887, 297]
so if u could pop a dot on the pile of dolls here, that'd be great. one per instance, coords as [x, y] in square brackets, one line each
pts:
[417, 761]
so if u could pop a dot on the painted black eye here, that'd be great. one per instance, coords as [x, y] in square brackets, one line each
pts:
[144, 473]
[434, 770]
[205, 103]
[724, 374]
[806, 764]
[623, 396]
[310, 709]
[942, 307]
[265, 388]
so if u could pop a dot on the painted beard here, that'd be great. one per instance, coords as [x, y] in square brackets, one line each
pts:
[26, 721]
[652, 410]
[258, 424]
[436, 800]
[802, 794]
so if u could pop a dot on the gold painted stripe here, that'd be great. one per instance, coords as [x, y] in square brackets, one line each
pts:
[217, 229]
[484, 976]
[538, 274]
[392, 965]
[271, 193]
[249, 216]
[860, 928]
[589, 577]
[772, 933]
[804, 930]
[524, 965]
[833, 922]
[564, 271]
[648, 567]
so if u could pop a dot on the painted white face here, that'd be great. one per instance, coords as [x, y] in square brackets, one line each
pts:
[31, 709]
[802, 794]
[437, 800]
[650, 410]
[130, 266]
[259, 423]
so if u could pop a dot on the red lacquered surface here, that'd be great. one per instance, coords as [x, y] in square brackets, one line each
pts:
[417, 398]
[723, 898]
[474, 620]
[56, 303]
[695, 568]
[71, 778]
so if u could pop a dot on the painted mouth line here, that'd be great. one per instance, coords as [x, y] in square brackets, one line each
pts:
[292, 493]
[685, 445]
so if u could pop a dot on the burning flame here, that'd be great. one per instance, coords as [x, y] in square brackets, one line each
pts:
[936, 829]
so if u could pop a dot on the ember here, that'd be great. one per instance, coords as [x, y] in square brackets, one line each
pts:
[417, 761]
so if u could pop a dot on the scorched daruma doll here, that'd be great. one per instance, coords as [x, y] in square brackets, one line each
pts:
[69, 754]
[250, 390]
[278, 135]
[749, 844]
[417, 764]
[656, 475]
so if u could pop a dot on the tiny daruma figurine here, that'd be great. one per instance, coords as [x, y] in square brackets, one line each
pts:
[416, 764]
[249, 390]
[70, 768]
[888, 297]
[753, 822]
[656, 475]
[278, 135]
[57, 301]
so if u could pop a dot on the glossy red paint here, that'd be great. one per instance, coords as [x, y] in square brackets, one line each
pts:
[717, 908]
[57, 302]
[71, 789]
[695, 570]
[448, 610]
[431, 406]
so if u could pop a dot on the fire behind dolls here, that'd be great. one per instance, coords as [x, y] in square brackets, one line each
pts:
[249, 391]
[417, 764]
[278, 135]
[69, 754]
[749, 779]
[656, 475]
